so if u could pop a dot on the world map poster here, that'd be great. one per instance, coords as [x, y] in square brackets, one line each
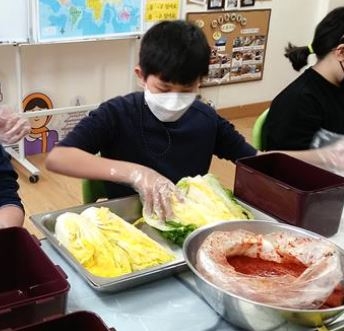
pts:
[60, 20]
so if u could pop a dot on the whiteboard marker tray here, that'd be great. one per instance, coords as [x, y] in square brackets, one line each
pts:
[129, 209]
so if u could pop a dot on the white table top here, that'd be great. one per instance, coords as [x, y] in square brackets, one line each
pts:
[169, 304]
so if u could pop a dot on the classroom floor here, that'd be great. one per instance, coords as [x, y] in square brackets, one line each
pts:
[53, 192]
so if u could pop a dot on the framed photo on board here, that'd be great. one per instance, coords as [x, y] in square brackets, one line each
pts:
[216, 4]
[197, 2]
[230, 4]
[247, 3]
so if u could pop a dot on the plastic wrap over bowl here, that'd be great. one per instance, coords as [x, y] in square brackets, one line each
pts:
[245, 313]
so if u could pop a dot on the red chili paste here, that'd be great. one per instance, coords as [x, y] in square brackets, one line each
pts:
[336, 299]
[259, 267]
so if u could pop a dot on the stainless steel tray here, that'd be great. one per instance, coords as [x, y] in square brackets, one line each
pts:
[130, 210]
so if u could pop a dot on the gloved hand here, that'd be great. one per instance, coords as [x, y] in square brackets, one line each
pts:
[155, 191]
[12, 126]
[332, 157]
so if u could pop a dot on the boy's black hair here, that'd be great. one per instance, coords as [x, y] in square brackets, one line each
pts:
[176, 51]
[328, 34]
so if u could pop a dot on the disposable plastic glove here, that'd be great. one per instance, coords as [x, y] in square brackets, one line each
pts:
[324, 138]
[332, 157]
[12, 126]
[155, 191]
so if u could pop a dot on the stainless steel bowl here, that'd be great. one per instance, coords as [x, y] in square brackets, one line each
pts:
[245, 313]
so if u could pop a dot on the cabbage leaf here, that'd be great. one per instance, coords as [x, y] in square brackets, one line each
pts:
[203, 201]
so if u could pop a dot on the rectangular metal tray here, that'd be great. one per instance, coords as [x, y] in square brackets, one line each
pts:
[129, 209]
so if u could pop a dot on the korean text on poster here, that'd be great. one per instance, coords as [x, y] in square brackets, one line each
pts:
[159, 10]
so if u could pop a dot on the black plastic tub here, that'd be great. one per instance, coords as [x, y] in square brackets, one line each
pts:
[292, 191]
[77, 321]
[32, 288]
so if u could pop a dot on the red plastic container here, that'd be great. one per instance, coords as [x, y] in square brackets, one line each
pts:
[32, 288]
[78, 321]
[292, 191]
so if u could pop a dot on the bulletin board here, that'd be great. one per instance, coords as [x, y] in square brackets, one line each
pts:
[238, 41]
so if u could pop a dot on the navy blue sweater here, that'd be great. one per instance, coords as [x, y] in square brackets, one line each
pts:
[124, 128]
[8, 181]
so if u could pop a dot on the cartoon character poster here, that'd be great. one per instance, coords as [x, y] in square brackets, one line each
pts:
[40, 139]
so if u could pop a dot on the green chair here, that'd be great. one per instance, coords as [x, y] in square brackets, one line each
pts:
[93, 190]
[257, 130]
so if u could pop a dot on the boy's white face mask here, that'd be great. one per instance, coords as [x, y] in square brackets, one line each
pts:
[170, 106]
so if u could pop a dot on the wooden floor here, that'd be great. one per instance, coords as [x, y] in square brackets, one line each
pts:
[53, 192]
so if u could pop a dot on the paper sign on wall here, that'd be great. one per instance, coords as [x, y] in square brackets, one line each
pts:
[159, 10]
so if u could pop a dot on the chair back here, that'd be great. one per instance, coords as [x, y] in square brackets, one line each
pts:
[93, 190]
[257, 130]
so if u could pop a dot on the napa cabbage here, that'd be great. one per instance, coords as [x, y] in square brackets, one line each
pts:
[106, 245]
[203, 201]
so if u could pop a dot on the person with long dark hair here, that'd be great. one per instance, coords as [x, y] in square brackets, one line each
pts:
[315, 100]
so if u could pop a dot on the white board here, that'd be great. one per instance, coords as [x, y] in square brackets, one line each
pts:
[14, 24]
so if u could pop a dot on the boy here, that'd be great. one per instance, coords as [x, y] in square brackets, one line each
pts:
[164, 128]
[149, 140]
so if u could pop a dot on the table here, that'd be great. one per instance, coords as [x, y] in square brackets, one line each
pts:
[169, 304]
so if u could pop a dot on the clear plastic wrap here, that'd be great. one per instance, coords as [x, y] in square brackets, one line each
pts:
[309, 290]
[324, 137]
[155, 191]
[12, 126]
[330, 149]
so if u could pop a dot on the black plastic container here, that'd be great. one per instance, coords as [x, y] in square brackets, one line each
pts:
[292, 191]
[32, 288]
[77, 321]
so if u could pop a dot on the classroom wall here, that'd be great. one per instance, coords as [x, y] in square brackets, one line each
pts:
[96, 71]
[91, 71]
[291, 20]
